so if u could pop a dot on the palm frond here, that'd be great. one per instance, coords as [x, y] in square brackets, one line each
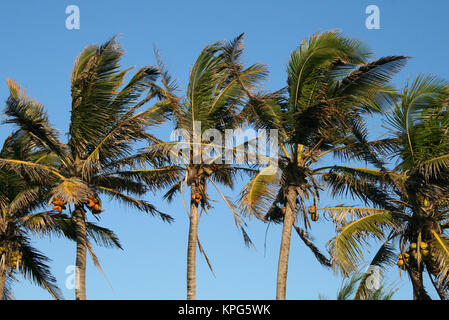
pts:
[29, 116]
[345, 248]
[258, 195]
[34, 267]
[440, 252]
[306, 238]
[140, 205]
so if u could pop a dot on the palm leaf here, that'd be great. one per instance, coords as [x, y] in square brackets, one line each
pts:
[345, 248]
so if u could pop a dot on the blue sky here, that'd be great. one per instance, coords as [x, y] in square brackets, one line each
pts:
[38, 51]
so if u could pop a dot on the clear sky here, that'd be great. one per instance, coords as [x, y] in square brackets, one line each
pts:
[38, 51]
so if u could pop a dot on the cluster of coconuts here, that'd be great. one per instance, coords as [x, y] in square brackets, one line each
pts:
[58, 204]
[16, 259]
[93, 203]
[313, 213]
[424, 249]
[403, 258]
[197, 197]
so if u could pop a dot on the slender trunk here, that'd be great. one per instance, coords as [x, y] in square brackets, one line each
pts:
[81, 246]
[191, 248]
[419, 293]
[285, 244]
[2, 280]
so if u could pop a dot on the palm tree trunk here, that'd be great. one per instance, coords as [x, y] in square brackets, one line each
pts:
[419, 293]
[2, 280]
[81, 248]
[285, 244]
[191, 248]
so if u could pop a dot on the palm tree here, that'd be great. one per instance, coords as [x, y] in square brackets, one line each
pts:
[213, 100]
[330, 85]
[410, 202]
[99, 158]
[19, 196]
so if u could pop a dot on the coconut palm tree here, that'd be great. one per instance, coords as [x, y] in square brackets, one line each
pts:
[330, 85]
[213, 100]
[98, 158]
[19, 196]
[409, 202]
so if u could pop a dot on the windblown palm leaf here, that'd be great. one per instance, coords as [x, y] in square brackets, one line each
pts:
[108, 117]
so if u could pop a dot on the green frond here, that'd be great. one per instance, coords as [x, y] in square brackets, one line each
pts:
[155, 179]
[419, 121]
[349, 287]
[176, 188]
[258, 195]
[117, 143]
[34, 268]
[97, 101]
[361, 183]
[36, 171]
[120, 183]
[30, 117]
[203, 252]
[368, 81]
[102, 236]
[140, 205]
[440, 252]
[345, 248]
[307, 239]
[314, 55]
[342, 215]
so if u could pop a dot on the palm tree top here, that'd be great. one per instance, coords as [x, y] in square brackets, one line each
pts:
[106, 118]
